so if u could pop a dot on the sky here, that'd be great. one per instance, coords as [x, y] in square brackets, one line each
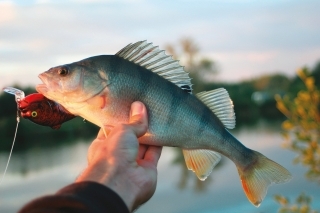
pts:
[245, 38]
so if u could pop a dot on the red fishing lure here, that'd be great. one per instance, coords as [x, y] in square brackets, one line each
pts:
[43, 111]
[39, 110]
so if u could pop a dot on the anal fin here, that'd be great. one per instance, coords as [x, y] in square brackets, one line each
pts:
[201, 161]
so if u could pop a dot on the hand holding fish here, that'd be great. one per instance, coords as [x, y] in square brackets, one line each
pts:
[121, 163]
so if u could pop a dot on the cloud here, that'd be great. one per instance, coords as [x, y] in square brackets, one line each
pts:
[247, 36]
[249, 56]
[242, 65]
[8, 12]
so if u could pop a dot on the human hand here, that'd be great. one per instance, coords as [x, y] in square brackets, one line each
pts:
[121, 163]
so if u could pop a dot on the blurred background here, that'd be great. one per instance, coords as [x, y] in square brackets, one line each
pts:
[265, 53]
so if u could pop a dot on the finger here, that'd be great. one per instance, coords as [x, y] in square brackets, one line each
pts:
[138, 120]
[92, 150]
[142, 151]
[153, 154]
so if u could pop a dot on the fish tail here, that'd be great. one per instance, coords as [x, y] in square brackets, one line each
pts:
[256, 177]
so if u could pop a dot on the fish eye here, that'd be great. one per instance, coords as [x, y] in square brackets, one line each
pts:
[63, 71]
[34, 114]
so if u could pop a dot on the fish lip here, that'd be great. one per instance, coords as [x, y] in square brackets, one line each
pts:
[42, 88]
[42, 77]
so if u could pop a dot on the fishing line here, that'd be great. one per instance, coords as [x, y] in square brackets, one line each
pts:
[19, 95]
[14, 139]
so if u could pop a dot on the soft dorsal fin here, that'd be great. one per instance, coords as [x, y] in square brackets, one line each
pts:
[152, 58]
[219, 102]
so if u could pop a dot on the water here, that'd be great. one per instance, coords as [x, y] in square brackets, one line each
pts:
[39, 172]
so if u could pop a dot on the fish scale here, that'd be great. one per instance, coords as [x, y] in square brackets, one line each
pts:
[101, 89]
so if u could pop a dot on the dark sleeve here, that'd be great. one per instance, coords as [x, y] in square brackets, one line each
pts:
[82, 197]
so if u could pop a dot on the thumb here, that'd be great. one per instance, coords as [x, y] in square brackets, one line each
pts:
[138, 120]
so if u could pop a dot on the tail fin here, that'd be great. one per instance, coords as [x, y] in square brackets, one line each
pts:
[256, 178]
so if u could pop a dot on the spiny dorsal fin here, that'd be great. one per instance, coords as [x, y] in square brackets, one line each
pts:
[219, 102]
[152, 58]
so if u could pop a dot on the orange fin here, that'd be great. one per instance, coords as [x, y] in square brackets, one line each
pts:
[106, 129]
[257, 177]
[99, 101]
[201, 161]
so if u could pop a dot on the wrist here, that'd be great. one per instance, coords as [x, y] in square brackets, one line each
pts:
[117, 180]
[94, 173]
[124, 187]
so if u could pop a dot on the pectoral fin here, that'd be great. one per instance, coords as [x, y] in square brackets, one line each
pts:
[99, 101]
[105, 132]
[201, 161]
[106, 129]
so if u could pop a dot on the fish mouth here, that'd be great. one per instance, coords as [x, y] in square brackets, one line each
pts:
[42, 88]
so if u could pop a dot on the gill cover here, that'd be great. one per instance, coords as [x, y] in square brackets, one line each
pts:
[72, 83]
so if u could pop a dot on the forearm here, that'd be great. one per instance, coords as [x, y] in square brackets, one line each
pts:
[84, 197]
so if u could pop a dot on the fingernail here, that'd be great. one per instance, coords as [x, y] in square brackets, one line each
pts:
[136, 108]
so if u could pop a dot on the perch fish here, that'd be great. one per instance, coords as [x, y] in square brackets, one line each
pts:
[101, 89]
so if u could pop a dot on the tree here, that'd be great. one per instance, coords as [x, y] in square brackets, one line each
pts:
[201, 70]
[302, 127]
[302, 131]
